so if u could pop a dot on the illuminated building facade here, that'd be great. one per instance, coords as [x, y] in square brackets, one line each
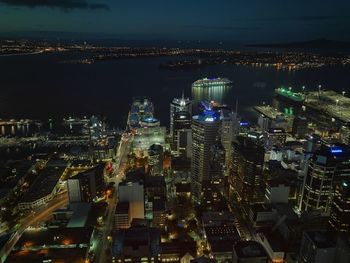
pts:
[155, 159]
[247, 167]
[179, 105]
[181, 134]
[205, 128]
[327, 166]
[229, 129]
[340, 212]
[217, 165]
[87, 185]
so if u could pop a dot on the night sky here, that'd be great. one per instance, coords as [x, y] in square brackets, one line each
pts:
[215, 20]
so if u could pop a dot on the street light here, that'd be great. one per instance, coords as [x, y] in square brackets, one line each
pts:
[343, 92]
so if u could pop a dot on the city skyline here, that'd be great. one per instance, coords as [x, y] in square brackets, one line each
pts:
[174, 131]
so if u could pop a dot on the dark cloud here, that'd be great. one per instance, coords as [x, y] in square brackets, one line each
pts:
[61, 4]
[227, 28]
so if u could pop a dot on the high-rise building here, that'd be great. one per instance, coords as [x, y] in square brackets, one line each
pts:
[247, 167]
[327, 166]
[121, 216]
[210, 89]
[83, 187]
[229, 129]
[317, 247]
[205, 129]
[178, 105]
[340, 211]
[155, 159]
[300, 126]
[132, 192]
[181, 131]
[217, 165]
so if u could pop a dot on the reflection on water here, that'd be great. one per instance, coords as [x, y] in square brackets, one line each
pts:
[107, 88]
[213, 89]
[18, 129]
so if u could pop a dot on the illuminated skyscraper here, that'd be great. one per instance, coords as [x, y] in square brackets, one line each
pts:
[182, 132]
[229, 129]
[205, 129]
[210, 89]
[340, 212]
[247, 167]
[155, 159]
[177, 105]
[327, 166]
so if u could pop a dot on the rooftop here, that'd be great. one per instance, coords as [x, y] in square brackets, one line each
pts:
[80, 214]
[331, 103]
[181, 247]
[44, 183]
[268, 111]
[53, 238]
[135, 237]
[52, 254]
[321, 239]
[249, 249]
[122, 207]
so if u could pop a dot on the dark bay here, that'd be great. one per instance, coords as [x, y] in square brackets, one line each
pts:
[37, 86]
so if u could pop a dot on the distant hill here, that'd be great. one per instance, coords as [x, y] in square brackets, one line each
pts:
[312, 44]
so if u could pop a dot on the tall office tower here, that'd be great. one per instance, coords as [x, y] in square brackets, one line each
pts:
[247, 167]
[181, 131]
[205, 129]
[85, 186]
[300, 126]
[215, 89]
[340, 211]
[229, 129]
[178, 105]
[317, 247]
[133, 193]
[327, 166]
[217, 165]
[155, 159]
[121, 216]
[249, 251]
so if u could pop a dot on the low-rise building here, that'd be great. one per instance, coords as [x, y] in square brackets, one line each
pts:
[43, 189]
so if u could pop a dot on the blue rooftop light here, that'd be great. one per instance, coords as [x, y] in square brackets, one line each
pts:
[336, 150]
[243, 123]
